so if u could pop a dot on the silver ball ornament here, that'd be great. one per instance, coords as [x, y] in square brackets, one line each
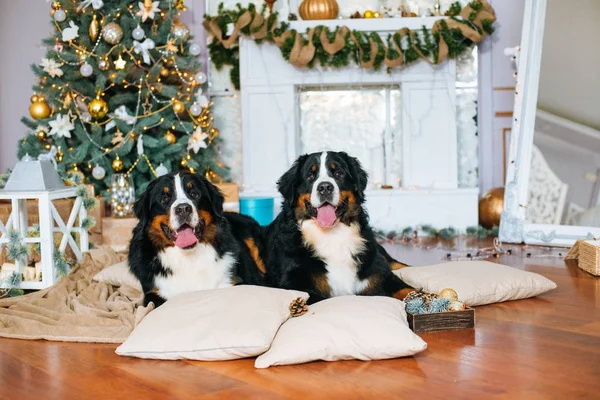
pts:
[203, 101]
[86, 70]
[195, 49]
[60, 15]
[138, 33]
[161, 170]
[97, 4]
[201, 77]
[98, 172]
[195, 109]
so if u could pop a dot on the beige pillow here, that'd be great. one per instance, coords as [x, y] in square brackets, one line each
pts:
[344, 328]
[118, 275]
[209, 325]
[477, 282]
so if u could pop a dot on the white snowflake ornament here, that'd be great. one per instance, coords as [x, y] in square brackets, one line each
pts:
[61, 126]
[51, 67]
[197, 141]
[149, 11]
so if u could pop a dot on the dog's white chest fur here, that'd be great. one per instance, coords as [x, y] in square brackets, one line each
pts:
[199, 268]
[337, 247]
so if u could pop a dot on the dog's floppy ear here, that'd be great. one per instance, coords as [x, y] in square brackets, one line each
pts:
[141, 208]
[358, 173]
[289, 181]
[215, 197]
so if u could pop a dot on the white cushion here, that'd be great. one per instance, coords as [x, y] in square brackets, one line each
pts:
[208, 325]
[118, 275]
[344, 328]
[477, 282]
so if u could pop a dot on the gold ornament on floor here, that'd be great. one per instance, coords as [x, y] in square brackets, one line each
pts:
[98, 108]
[178, 106]
[180, 30]
[319, 9]
[169, 137]
[39, 109]
[490, 208]
[94, 29]
[298, 307]
[449, 294]
[112, 33]
[369, 14]
[117, 164]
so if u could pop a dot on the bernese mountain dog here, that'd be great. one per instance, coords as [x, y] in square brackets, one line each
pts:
[321, 242]
[184, 241]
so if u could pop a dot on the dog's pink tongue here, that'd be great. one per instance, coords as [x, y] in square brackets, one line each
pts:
[326, 216]
[185, 238]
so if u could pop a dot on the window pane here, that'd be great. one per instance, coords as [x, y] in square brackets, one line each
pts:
[358, 121]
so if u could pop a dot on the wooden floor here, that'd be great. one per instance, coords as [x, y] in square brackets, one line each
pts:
[542, 348]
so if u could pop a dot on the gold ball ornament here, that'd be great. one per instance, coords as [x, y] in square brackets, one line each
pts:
[170, 137]
[369, 14]
[457, 306]
[97, 108]
[179, 4]
[117, 164]
[377, 14]
[490, 208]
[318, 9]
[183, 162]
[55, 5]
[180, 30]
[41, 134]
[59, 154]
[112, 33]
[39, 109]
[164, 72]
[449, 294]
[103, 64]
[178, 106]
[35, 98]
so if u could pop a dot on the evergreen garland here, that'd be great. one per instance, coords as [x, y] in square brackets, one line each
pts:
[409, 232]
[358, 46]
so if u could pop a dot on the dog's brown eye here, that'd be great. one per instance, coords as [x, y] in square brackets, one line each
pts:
[310, 177]
[195, 195]
[338, 174]
[165, 199]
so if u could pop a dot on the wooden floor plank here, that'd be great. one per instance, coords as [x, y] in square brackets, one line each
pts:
[542, 348]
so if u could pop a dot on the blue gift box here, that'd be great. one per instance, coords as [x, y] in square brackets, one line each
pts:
[259, 208]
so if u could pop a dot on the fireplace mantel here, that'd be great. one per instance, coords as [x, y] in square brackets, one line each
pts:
[271, 131]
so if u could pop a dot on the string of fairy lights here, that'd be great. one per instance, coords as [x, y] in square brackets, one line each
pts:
[93, 110]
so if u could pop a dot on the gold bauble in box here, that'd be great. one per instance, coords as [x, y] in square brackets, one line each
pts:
[319, 9]
[112, 33]
[117, 164]
[39, 109]
[490, 208]
[170, 137]
[180, 30]
[449, 294]
[178, 106]
[97, 108]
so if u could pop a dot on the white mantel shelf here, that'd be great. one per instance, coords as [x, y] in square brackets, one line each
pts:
[368, 24]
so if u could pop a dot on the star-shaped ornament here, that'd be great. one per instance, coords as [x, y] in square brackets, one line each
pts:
[120, 63]
[147, 106]
[171, 47]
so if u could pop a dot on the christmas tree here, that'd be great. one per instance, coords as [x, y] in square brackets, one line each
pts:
[121, 90]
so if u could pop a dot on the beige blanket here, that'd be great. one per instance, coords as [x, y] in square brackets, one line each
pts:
[76, 309]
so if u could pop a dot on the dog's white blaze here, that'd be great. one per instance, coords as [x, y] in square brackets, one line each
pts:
[199, 268]
[181, 198]
[336, 246]
[324, 177]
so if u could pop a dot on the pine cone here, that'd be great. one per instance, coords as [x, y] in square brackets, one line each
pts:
[298, 307]
[420, 294]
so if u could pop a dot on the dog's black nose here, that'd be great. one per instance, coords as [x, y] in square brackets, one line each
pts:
[183, 210]
[325, 188]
